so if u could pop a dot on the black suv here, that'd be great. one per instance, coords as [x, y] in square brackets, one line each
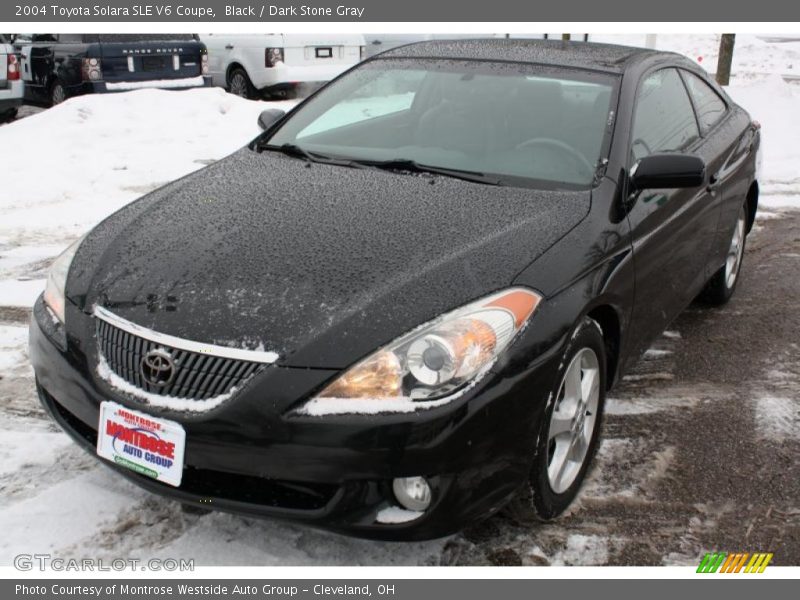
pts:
[57, 66]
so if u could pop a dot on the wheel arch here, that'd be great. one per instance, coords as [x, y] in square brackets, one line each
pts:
[234, 65]
[606, 316]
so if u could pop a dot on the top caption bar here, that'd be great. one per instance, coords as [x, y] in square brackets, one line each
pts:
[209, 11]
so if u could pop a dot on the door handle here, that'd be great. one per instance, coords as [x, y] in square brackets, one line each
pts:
[228, 46]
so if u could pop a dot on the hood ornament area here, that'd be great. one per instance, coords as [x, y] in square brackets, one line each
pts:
[157, 368]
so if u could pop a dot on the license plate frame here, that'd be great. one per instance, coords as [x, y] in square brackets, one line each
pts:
[153, 63]
[145, 444]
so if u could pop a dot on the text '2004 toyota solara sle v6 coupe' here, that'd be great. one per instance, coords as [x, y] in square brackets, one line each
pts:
[401, 306]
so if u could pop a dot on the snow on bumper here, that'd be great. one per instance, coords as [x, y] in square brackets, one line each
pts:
[164, 84]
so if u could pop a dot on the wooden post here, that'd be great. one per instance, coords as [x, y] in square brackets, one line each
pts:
[725, 58]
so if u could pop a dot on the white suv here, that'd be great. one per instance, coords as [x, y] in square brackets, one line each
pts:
[279, 65]
[11, 86]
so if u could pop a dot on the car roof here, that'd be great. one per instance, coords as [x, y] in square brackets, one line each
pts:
[588, 55]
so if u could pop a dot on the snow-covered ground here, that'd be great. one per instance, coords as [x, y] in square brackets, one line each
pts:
[79, 162]
[753, 57]
[73, 165]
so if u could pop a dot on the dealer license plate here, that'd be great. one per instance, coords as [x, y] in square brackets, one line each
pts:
[142, 443]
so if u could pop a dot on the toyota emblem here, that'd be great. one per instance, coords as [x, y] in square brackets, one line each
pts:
[157, 368]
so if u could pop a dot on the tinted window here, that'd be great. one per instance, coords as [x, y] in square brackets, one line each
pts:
[710, 107]
[664, 119]
[70, 38]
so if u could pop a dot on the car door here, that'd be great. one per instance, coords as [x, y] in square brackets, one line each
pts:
[42, 58]
[727, 147]
[672, 230]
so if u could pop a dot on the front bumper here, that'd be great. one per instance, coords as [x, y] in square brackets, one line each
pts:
[251, 456]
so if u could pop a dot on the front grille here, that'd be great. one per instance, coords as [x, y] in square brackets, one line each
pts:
[197, 376]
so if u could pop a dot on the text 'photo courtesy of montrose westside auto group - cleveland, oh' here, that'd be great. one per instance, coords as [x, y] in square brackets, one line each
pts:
[456, 295]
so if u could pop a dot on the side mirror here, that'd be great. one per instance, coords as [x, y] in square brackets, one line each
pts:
[663, 171]
[268, 117]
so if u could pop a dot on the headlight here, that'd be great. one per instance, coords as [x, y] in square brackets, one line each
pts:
[432, 363]
[57, 279]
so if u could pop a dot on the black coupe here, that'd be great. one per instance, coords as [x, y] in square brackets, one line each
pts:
[401, 306]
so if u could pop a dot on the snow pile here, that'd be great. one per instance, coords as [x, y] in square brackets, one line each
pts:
[80, 161]
[775, 104]
[156, 83]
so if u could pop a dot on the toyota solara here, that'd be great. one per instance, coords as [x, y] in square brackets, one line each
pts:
[400, 308]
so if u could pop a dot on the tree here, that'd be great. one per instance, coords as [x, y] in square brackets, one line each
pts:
[725, 58]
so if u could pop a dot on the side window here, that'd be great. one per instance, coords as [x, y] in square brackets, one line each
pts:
[664, 120]
[710, 107]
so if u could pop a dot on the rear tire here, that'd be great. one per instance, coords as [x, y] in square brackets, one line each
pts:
[239, 84]
[722, 285]
[57, 93]
[569, 433]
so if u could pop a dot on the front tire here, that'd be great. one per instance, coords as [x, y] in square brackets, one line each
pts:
[568, 436]
[722, 285]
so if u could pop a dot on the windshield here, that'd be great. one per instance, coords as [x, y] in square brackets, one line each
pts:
[525, 124]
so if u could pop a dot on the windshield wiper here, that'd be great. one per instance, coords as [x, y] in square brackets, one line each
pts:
[317, 157]
[406, 164]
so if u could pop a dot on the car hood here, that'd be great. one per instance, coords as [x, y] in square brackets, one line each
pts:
[319, 263]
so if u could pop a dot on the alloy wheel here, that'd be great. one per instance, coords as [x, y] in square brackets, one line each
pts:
[573, 420]
[239, 85]
[736, 250]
